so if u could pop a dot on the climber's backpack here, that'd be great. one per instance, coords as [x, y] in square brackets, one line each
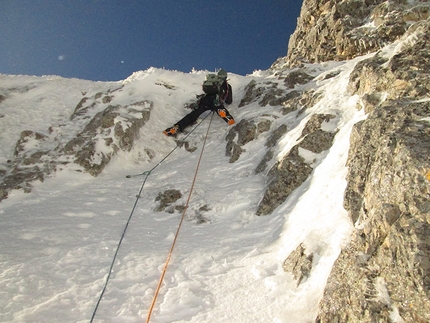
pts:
[213, 84]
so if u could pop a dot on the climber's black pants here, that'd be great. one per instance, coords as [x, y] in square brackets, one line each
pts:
[206, 103]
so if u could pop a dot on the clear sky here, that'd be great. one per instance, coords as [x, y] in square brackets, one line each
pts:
[108, 40]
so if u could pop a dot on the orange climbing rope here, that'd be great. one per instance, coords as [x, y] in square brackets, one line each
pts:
[177, 231]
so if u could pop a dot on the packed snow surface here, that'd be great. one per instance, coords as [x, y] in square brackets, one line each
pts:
[57, 242]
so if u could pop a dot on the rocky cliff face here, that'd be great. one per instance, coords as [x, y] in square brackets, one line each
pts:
[383, 275]
[339, 30]
[105, 129]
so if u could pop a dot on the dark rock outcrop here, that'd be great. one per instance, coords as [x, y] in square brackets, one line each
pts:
[286, 175]
[293, 170]
[167, 200]
[299, 264]
[31, 162]
[238, 136]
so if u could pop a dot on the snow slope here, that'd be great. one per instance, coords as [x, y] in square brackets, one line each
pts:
[58, 242]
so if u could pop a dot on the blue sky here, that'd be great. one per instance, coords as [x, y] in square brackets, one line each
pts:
[108, 40]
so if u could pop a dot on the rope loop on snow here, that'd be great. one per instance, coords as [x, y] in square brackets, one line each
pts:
[178, 229]
[147, 173]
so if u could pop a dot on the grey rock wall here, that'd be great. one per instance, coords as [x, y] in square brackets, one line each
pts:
[339, 30]
[384, 273]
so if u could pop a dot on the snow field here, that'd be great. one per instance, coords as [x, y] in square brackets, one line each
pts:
[58, 242]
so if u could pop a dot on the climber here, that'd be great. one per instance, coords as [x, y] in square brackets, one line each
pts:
[216, 92]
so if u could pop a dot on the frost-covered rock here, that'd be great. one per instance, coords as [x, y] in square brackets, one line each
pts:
[106, 130]
[110, 130]
[167, 199]
[385, 270]
[293, 170]
[332, 30]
